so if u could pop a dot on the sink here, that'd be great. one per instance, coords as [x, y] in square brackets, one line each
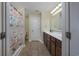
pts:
[57, 34]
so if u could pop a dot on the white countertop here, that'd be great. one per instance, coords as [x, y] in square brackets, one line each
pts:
[57, 35]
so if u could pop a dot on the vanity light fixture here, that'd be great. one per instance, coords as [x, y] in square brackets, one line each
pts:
[57, 9]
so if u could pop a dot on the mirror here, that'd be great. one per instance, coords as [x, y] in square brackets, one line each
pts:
[56, 20]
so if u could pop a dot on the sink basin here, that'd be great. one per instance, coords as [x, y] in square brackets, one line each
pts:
[57, 34]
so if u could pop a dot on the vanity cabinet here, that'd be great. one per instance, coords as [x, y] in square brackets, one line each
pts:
[53, 44]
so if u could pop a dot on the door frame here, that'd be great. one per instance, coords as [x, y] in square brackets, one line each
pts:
[3, 27]
[30, 28]
[66, 28]
[0, 28]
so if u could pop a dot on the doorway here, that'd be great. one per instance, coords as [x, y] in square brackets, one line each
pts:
[34, 27]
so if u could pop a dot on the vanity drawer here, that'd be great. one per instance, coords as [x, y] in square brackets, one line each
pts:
[58, 43]
[52, 39]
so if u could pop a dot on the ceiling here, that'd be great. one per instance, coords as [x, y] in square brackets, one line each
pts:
[36, 6]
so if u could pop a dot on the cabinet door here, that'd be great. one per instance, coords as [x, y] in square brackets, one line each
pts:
[48, 42]
[58, 47]
[44, 38]
[58, 51]
[52, 46]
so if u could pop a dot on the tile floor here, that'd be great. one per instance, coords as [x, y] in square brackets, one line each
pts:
[34, 48]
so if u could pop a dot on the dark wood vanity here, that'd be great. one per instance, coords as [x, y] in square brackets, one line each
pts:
[53, 44]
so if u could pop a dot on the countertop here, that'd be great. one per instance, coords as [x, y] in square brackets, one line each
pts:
[57, 35]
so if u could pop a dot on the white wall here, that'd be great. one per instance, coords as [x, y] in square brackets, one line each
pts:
[45, 21]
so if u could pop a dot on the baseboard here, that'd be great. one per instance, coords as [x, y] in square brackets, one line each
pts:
[37, 40]
[41, 41]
